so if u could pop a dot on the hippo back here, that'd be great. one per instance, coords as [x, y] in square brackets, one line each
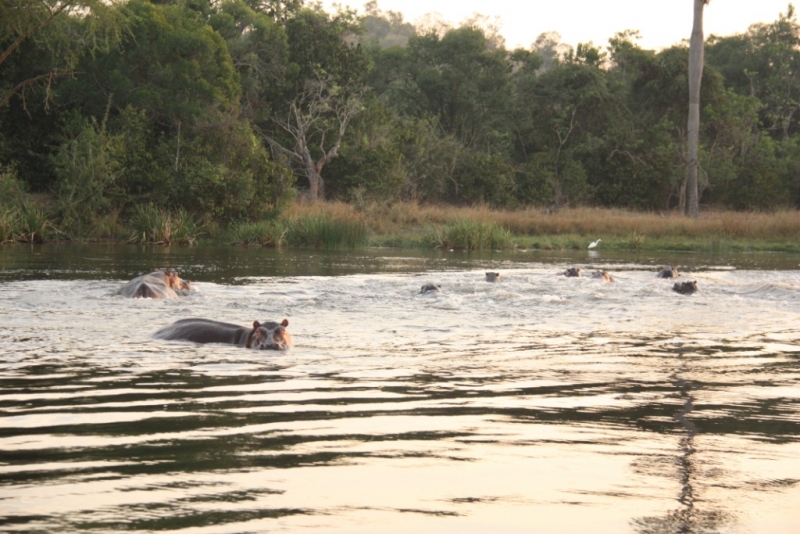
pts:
[204, 331]
[668, 272]
[155, 285]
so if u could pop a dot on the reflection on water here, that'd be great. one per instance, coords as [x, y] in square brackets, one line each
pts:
[536, 404]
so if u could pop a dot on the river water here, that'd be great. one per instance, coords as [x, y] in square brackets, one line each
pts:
[536, 404]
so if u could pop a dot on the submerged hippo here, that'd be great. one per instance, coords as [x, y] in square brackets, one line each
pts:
[572, 271]
[668, 272]
[603, 276]
[156, 285]
[430, 288]
[268, 335]
[685, 288]
[492, 277]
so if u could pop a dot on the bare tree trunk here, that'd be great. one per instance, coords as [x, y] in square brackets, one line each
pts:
[693, 134]
[318, 111]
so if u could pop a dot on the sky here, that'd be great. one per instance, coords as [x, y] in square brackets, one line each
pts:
[661, 23]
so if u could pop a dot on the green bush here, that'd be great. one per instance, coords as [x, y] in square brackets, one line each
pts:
[87, 167]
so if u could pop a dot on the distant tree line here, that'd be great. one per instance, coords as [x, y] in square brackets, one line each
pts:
[229, 109]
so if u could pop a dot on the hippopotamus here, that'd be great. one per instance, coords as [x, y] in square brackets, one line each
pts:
[572, 271]
[430, 288]
[492, 277]
[685, 288]
[603, 275]
[668, 272]
[156, 285]
[268, 335]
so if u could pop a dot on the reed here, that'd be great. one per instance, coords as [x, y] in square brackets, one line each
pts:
[9, 225]
[261, 233]
[327, 229]
[409, 224]
[155, 226]
[108, 226]
[472, 235]
[34, 224]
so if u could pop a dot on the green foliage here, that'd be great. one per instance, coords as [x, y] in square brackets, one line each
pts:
[482, 178]
[765, 63]
[461, 82]
[472, 235]
[12, 190]
[87, 166]
[42, 41]
[759, 180]
[259, 49]
[178, 107]
[324, 43]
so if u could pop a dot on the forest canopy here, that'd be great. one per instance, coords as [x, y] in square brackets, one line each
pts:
[229, 110]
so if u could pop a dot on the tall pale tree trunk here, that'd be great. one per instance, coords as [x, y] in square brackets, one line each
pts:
[693, 128]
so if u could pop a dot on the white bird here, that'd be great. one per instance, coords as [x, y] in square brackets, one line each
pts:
[594, 244]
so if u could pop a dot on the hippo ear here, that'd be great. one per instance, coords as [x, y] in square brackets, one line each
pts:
[285, 322]
[256, 324]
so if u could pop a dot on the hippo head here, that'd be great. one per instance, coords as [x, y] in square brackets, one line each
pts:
[492, 277]
[668, 272]
[175, 282]
[573, 271]
[603, 275]
[685, 288]
[427, 288]
[270, 336]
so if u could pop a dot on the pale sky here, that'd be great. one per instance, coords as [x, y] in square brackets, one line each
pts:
[661, 23]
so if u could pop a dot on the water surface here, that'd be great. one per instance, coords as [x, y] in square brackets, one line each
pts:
[537, 404]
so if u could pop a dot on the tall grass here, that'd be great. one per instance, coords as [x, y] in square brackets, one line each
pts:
[9, 225]
[590, 221]
[324, 231]
[25, 224]
[410, 224]
[155, 226]
[261, 233]
[35, 224]
[472, 235]
[22, 218]
[108, 226]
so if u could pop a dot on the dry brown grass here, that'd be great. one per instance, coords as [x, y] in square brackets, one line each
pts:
[410, 216]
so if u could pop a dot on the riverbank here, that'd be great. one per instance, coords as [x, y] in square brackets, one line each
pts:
[415, 225]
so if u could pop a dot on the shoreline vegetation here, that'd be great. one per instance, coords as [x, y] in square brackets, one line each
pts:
[332, 225]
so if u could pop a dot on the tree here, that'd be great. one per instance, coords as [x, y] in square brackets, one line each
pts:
[463, 82]
[320, 109]
[323, 91]
[765, 62]
[693, 124]
[46, 23]
[173, 95]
